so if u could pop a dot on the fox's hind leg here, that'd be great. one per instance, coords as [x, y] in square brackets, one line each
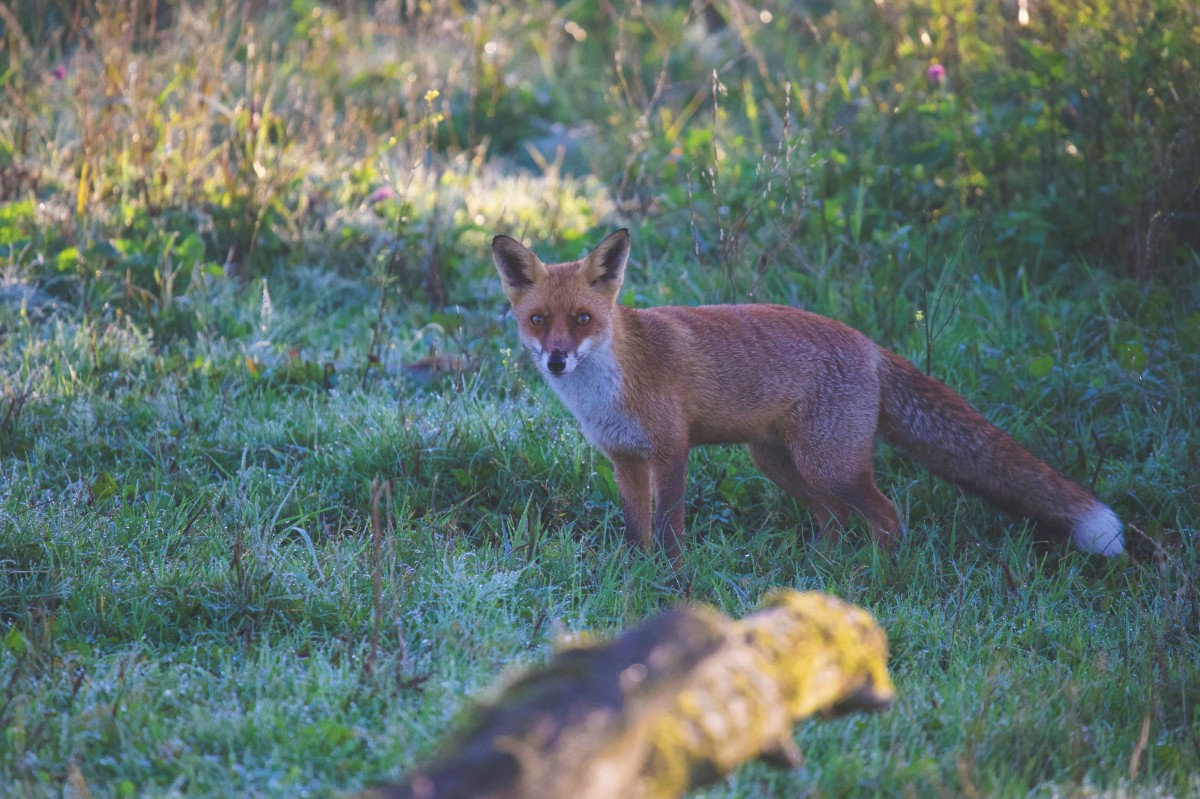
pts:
[864, 496]
[832, 481]
[830, 435]
[775, 461]
[846, 478]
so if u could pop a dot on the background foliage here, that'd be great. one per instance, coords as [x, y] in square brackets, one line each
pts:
[277, 492]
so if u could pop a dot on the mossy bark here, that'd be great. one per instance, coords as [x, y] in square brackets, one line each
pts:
[668, 706]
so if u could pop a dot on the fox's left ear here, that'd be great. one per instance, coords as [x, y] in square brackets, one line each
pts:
[519, 268]
[604, 266]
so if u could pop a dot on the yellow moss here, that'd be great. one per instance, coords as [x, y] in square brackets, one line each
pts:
[677, 702]
[804, 652]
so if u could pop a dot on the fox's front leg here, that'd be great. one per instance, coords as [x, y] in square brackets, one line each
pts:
[633, 483]
[670, 481]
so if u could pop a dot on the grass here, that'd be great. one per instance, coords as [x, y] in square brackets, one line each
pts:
[251, 542]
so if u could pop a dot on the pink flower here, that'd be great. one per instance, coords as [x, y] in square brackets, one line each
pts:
[382, 194]
[936, 73]
[59, 72]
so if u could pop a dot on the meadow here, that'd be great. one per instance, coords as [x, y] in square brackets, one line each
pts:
[279, 493]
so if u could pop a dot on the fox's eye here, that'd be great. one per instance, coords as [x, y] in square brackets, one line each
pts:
[582, 319]
[537, 320]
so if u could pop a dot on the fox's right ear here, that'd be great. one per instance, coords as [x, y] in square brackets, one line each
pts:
[519, 268]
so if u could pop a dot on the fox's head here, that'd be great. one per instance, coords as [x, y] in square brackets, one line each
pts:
[564, 311]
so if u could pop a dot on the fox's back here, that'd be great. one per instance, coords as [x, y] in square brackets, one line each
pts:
[738, 367]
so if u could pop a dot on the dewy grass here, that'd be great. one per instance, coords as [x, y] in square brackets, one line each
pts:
[188, 599]
[188, 573]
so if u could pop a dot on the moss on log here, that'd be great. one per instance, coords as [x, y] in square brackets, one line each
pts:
[670, 705]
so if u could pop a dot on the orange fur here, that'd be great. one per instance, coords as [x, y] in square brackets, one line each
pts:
[805, 393]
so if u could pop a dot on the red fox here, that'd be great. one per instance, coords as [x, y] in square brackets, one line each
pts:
[805, 393]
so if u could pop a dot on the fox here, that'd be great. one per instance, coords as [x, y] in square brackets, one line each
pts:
[806, 394]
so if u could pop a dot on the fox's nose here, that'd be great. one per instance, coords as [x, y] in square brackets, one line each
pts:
[557, 362]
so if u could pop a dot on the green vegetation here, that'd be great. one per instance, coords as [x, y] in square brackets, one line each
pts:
[278, 493]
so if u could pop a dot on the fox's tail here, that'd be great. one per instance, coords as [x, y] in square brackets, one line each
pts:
[940, 430]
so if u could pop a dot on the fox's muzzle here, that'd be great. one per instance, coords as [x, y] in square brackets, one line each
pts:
[557, 362]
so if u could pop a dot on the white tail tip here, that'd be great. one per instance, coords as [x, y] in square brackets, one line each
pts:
[1098, 531]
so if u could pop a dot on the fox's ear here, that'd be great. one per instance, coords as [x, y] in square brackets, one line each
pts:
[604, 267]
[519, 268]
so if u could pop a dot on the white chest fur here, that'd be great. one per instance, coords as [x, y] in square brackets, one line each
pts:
[592, 391]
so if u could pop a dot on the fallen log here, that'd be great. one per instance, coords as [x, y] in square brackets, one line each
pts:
[671, 705]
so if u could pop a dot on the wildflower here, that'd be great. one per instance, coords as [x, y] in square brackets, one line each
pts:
[59, 72]
[382, 194]
[936, 74]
